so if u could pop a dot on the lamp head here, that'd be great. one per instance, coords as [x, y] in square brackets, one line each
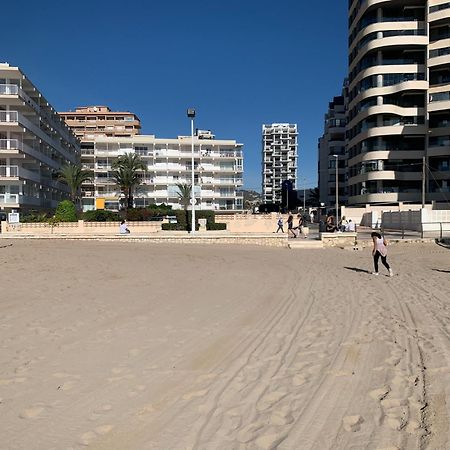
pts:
[191, 112]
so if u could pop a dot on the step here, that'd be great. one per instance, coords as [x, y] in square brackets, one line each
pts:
[304, 243]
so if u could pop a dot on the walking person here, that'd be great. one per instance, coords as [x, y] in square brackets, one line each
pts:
[280, 225]
[380, 250]
[290, 223]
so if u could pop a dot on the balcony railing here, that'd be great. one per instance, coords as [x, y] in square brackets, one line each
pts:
[9, 198]
[9, 171]
[9, 89]
[10, 144]
[9, 116]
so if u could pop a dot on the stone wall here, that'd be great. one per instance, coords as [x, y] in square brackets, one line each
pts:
[338, 239]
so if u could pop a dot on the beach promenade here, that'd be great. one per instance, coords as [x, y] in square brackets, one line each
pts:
[126, 345]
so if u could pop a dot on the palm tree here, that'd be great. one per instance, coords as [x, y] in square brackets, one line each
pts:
[126, 174]
[184, 196]
[73, 175]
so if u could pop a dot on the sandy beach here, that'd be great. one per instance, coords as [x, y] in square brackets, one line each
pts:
[133, 346]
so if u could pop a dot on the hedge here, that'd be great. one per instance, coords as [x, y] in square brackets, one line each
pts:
[216, 226]
[100, 215]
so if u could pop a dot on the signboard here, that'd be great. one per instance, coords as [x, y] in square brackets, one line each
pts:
[99, 203]
[13, 218]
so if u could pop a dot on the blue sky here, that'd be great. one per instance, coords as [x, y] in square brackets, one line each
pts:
[240, 63]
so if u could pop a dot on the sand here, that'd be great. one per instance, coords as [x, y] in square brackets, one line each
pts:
[134, 346]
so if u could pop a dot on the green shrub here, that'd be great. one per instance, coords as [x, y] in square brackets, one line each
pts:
[66, 212]
[216, 226]
[35, 217]
[101, 215]
[151, 212]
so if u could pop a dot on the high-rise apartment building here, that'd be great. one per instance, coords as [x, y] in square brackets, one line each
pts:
[89, 122]
[279, 159]
[399, 101]
[34, 144]
[332, 151]
[218, 167]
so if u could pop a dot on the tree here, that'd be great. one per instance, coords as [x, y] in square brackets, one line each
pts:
[126, 174]
[184, 196]
[73, 175]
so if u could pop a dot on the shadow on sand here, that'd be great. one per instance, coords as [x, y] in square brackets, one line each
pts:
[355, 269]
[440, 270]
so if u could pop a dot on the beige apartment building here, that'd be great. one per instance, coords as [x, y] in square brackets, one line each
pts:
[90, 122]
[34, 144]
[218, 168]
[399, 101]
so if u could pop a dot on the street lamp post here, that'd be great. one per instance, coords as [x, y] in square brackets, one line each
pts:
[191, 115]
[304, 195]
[337, 189]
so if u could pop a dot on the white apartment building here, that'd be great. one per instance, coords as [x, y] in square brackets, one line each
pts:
[218, 171]
[34, 144]
[279, 159]
[331, 152]
[399, 101]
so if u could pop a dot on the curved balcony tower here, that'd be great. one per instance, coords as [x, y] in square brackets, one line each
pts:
[387, 134]
[438, 152]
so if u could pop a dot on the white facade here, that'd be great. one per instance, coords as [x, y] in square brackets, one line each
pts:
[34, 144]
[399, 101]
[218, 170]
[279, 159]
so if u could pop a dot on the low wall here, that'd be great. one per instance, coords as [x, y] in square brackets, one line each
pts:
[167, 237]
[338, 239]
[80, 227]
[250, 223]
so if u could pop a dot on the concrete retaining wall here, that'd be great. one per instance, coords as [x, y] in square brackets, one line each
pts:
[338, 239]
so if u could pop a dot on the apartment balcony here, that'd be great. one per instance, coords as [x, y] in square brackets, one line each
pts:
[10, 146]
[9, 117]
[9, 199]
[385, 197]
[9, 171]
[53, 120]
[16, 121]
[9, 89]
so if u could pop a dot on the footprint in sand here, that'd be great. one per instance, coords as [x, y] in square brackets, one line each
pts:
[100, 411]
[195, 394]
[281, 417]
[89, 436]
[269, 400]
[380, 393]
[352, 423]
[270, 441]
[299, 380]
[32, 412]
[249, 433]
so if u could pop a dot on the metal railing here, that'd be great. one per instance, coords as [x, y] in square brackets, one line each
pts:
[9, 116]
[438, 230]
[9, 89]
[10, 144]
[9, 198]
[9, 171]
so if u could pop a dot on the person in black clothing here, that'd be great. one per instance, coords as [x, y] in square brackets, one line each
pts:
[290, 223]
